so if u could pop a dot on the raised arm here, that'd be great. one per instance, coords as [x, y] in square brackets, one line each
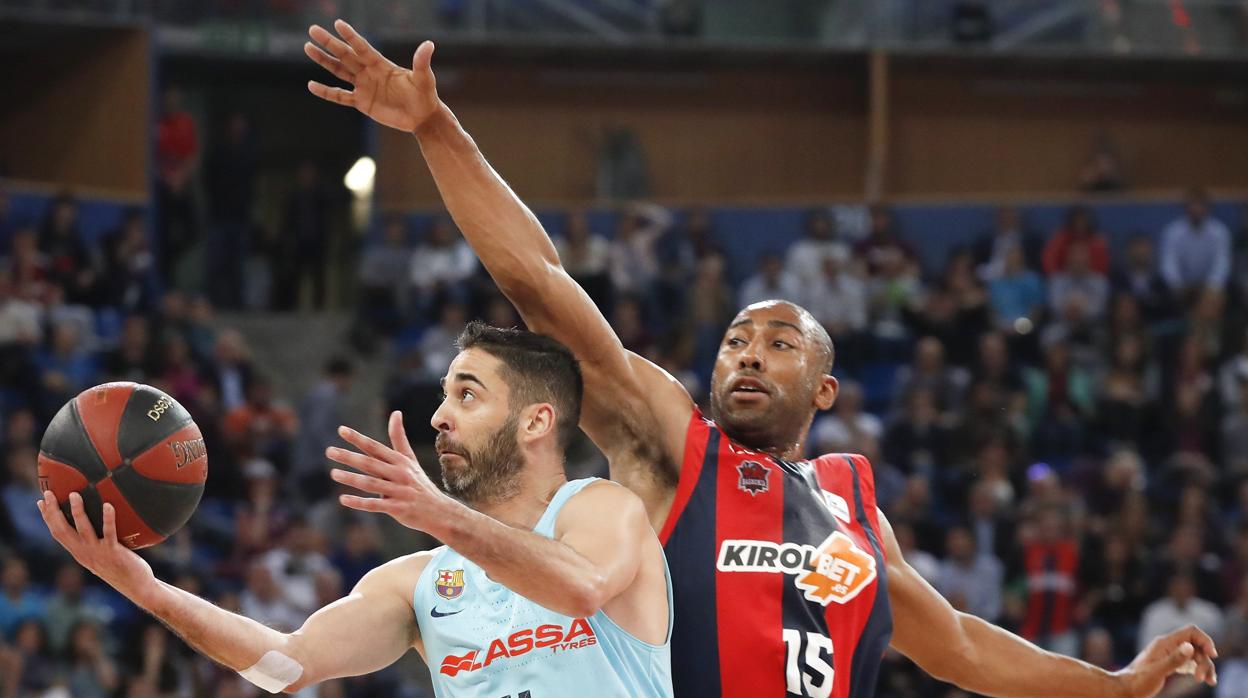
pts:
[368, 629]
[978, 656]
[591, 564]
[633, 410]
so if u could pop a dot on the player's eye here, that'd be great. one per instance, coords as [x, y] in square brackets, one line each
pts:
[781, 344]
[465, 395]
[735, 341]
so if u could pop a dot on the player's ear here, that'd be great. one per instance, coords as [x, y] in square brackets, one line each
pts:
[827, 391]
[537, 420]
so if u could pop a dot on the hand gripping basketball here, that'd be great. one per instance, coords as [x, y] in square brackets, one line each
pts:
[405, 492]
[1185, 651]
[114, 563]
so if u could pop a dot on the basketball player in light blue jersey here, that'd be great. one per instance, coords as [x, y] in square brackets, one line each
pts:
[545, 587]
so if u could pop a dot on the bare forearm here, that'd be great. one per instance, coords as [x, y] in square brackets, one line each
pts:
[540, 569]
[227, 638]
[1003, 664]
[500, 228]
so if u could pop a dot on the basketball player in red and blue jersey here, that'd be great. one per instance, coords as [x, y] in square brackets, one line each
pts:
[788, 580]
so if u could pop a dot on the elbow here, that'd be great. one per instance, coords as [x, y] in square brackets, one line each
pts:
[587, 598]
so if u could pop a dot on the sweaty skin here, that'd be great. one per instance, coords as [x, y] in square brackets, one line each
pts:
[770, 379]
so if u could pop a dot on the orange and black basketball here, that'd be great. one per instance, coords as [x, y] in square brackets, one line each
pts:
[132, 446]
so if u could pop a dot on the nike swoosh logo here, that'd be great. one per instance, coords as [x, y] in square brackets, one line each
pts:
[434, 612]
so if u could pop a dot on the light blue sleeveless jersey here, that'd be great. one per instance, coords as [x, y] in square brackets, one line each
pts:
[485, 641]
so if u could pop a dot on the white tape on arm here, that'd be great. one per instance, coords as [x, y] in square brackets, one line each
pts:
[274, 672]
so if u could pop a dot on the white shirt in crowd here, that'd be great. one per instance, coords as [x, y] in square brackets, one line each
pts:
[1164, 615]
[806, 256]
[433, 265]
[1195, 255]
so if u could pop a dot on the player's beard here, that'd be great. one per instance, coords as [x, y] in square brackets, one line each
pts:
[489, 473]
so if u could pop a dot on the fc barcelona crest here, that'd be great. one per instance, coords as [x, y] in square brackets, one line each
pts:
[753, 477]
[449, 583]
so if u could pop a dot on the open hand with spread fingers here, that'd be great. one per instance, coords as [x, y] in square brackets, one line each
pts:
[1187, 650]
[384, 91]
[404, 491]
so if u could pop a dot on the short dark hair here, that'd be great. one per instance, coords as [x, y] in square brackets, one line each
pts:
[536, 369]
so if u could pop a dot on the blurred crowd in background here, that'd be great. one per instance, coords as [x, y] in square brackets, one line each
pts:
[1059, 427]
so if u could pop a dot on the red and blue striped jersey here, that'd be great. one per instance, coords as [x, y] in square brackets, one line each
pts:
[780, 586]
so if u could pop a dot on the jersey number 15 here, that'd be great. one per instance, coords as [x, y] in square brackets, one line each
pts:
[806, 671]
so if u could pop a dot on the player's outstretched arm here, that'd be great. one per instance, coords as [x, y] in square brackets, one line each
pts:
[628, 400]
[975, 655]
[595, 557]
[368, 629]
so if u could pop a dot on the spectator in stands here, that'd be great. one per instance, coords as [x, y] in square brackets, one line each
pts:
[1060, 397]
[586, 256]
[231, 370]
[821, 241]
[323, 410]
[30, 269]
[893, 289]
[680, 249]
[970, 579]
[1195, 250]
[441, 267]
[929, 371]
[771, 282]
[1051, 564]
[1178, 608]
[1098, 650]
[1138, 277]
[71, 605]
[1078, 279]
[36, 670]
[847, 428]
[437, 344]
[129, 278]
[1127, 395]
[231, 180]
[66, 366]
[918, 440]
[633, 262]
[883, 249]
[922, 561]
[266, 601]
[359, 552]
[305, 244]
[1009, 235]
[262, 426]
[1234, 371]
[20, 319]
[1080, 227]
[1115, 587]
[711, 307]
[18, 602]
[88, 670]
[261, 517]
[177, 151]
[179, 375]
[71, 264]
[295, 564]
[838, 300]
[384, 266]
[1017, 295]
[628, 320]
[1103, 172]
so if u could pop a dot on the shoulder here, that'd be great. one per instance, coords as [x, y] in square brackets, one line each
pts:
[397, 577]
[599, 498]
